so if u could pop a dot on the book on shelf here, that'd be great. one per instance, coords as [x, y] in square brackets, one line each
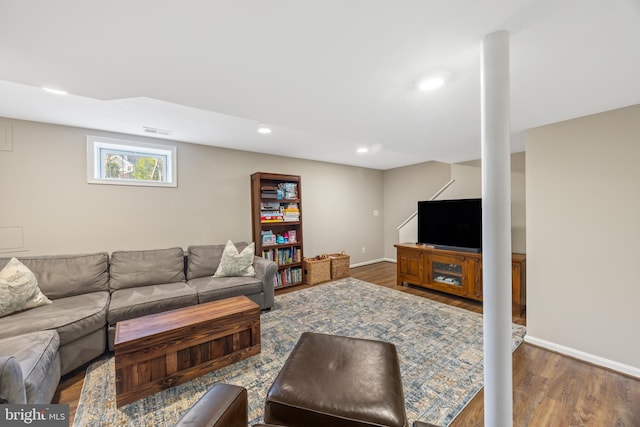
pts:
[269, 192]
[288, 276]
[270, 206]
[271, 217]
[282, 256]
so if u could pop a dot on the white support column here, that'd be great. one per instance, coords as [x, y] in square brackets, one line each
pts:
[496, 230]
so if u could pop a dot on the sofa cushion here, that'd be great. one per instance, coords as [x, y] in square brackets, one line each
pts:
[11, 382]
[37, 354]
[19, 289]
[72, 317]
[203, 260]
[235, 263]
[135, 302]
[211, 289]
[130, 269]
[66, 275]
[83, 350]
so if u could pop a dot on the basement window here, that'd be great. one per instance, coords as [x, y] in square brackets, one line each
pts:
[122, 162]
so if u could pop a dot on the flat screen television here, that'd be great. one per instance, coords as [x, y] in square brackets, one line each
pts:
[451, 224]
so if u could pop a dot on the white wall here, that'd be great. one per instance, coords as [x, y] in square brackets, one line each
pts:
[583, 237]
[404, 187]
[468, 184]
[45, 195]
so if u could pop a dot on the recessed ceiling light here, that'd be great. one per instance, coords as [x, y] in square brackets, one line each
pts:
[430, 83]
[262, 128]
[433, 81]
[56, 91]
[363, 150]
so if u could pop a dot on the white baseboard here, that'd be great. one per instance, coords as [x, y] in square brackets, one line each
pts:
[586, 357]
[373, 261]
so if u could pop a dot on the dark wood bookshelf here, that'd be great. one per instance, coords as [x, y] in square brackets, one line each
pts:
[261, 181]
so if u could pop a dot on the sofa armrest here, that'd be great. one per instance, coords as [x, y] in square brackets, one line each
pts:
[266, 271]
[12, 389]
[224, 405]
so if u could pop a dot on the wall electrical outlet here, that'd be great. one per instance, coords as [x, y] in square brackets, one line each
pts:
[364, 249]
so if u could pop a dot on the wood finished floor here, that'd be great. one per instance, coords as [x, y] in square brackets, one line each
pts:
[549, 389]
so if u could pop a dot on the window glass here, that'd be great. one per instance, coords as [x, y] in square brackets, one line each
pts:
[120, 162]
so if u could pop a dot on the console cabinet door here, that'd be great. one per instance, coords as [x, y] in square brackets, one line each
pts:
[518, 285]
[475, 279]
[409, 267]
[448, 273]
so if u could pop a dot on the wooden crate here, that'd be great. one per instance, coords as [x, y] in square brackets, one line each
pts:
[340, 265]
[317, 269]
[158, 351]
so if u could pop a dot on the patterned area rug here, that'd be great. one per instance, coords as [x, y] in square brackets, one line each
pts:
[440, 349]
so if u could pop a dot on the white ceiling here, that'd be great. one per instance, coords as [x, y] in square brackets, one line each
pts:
[328, 76]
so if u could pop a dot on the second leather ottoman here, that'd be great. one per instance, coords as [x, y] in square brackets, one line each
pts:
[331, 380]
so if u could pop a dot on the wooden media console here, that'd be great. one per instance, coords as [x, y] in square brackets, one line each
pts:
[457, 273]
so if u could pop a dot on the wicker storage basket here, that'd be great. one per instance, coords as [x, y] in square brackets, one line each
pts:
[339, 265]
[317, 269]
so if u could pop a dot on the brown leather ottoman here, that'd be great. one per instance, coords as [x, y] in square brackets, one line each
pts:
[338, 381]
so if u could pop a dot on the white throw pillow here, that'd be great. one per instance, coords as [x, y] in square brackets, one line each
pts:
[19, 289]
[236, 264]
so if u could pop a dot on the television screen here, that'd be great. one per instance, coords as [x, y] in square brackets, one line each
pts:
[451, 224]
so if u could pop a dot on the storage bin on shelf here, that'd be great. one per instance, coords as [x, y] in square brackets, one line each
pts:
[316, 269]
[339, 265]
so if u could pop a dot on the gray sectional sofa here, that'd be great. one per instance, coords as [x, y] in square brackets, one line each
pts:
[90, 293]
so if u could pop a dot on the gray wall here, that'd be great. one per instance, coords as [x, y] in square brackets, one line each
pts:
[46, 199]
[583, 235]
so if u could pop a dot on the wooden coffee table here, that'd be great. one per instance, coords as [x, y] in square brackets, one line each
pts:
[158, 351]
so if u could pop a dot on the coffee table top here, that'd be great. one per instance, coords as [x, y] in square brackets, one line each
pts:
[159, 323]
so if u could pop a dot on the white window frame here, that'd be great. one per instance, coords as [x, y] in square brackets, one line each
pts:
[94, 164]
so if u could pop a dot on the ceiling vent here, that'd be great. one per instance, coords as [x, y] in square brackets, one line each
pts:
[156, 131]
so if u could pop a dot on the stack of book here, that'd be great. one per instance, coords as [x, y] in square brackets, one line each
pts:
[270, 212]
[269, 192]
[291, 212]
